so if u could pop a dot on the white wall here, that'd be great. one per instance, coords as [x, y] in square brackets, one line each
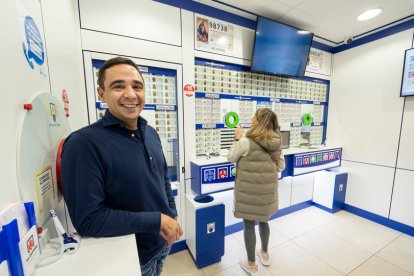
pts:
[369, 186]
[62, 69]
[143, 19]
[365, 113]
[402, 197]
[406, 150]
[364, 105]
[19, 85]
[62, 32]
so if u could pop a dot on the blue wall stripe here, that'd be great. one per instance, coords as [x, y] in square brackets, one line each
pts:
[323, 208]
[383, 27]
[409, 230]
[227, 16]
[321, 46]
[404, 228]
[211, 11]
[333, 42]
[280, 213]
[234, 7]
[378, 35]
[233, 228]
[251, 24]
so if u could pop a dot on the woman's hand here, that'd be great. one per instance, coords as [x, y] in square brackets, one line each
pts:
[239, 133]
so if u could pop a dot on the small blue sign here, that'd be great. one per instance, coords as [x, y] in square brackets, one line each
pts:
[317, 158]
[209, 175]
[219, 173]
[33, 47]
[298, 161]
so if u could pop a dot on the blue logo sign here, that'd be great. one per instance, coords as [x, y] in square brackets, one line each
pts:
[209, 175]
[33, 47]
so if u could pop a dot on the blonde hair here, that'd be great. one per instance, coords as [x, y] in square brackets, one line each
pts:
[266, 125]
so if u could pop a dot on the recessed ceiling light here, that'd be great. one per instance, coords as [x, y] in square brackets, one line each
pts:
[369, 14]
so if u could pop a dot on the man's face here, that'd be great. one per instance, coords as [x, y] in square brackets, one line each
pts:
[124, 93]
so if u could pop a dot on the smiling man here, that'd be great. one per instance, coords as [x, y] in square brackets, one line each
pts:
[114, 173]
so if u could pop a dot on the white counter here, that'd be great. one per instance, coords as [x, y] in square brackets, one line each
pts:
[298, 150]
[204, 161]
[98, 256]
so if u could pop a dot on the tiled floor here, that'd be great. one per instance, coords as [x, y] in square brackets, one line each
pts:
[314, 242]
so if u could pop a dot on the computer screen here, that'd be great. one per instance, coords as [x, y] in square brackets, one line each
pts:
[407, 84]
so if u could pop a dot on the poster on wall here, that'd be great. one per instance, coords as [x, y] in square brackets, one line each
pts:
[214, 35]
[44, 189]
[31, 37]
[318, 62]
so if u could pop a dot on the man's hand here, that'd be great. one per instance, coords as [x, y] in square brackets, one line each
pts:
[170, 230]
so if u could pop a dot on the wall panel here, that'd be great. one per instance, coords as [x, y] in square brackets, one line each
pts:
[369, 187]
[144, 19]
[406, 150]
[402, 198]
[364, 105]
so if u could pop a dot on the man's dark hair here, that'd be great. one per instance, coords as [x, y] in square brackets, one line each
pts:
[112, 62]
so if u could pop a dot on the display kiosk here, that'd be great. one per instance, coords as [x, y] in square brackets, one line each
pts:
[204, 229]
[329, 190]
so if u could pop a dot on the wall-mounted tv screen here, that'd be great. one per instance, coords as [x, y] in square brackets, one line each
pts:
[280, 49]
[407, 84]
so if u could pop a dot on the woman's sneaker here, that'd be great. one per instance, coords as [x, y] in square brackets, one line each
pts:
[252, 270]
[263, 257]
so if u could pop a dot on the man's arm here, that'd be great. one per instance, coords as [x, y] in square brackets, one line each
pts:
[168, 190]
[83, 176]
[170, 228]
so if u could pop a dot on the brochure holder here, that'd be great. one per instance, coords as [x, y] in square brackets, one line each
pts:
[10, 240]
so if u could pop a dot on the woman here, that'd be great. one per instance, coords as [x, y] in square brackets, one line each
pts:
[259, 159]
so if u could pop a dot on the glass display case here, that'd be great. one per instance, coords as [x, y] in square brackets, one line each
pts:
[221, 88]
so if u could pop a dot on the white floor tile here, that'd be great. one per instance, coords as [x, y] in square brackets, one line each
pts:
[314, 242]
[233, 252]
[400, 252]
[378, 267]
[338, 253]
[236, 270]
[181, 263]
[301, 222]
[289, 259]
[362, 232]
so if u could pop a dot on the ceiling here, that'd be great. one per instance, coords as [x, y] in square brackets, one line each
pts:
[330, 20]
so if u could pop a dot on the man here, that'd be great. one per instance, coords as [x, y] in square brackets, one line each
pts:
[114, 173]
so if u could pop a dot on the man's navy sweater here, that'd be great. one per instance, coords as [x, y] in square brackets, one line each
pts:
[115, 183]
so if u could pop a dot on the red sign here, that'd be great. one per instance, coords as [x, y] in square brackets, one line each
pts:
[30, 244]
[65, 100]
[222, 173]
[189, 90]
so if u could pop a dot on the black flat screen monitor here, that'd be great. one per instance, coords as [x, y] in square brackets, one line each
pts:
[285, 139]
[280, 49]
[407, 83]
